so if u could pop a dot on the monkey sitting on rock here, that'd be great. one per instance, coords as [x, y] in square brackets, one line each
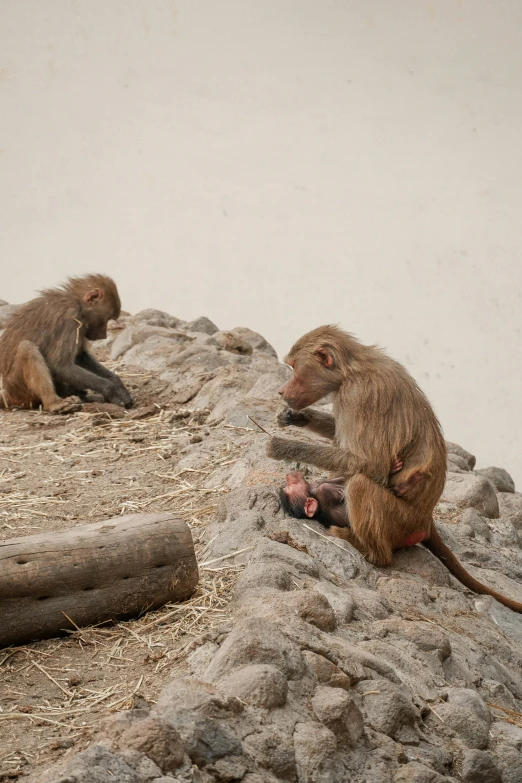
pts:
[324, 501]
[379, 416]
[44, 357]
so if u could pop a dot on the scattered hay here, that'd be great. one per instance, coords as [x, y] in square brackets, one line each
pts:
[59, 471]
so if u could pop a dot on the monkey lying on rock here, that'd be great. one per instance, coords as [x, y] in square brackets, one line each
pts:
[44, 357]
[324, 501]
[379, 416]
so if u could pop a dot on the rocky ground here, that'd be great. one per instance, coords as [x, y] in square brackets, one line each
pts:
[295, 660]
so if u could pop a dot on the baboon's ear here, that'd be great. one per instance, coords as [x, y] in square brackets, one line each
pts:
[310, 507]
[93, 296]
[325, 357]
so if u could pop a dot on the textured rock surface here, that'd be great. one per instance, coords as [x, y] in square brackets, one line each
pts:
[499, 477]
[511, 508]
[467, 490]
[337, 710]
[260, 685]
[478, 766]
[326, 668]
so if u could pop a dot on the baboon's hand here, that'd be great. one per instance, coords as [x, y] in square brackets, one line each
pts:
[124, 394]
[120, 396]
[397, 466]
[288, 417]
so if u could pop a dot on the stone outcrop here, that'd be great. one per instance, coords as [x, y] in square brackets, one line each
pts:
[330, 670]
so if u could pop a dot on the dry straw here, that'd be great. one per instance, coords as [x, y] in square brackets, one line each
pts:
[161, 639]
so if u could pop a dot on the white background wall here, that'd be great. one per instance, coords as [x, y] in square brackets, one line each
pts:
[282, 164]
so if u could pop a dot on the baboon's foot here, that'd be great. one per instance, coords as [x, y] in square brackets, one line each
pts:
[65, 405]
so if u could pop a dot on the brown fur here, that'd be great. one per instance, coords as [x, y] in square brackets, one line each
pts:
[325, 500]
[380, 415]
[43, 352]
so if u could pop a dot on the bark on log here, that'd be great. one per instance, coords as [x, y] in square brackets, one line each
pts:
[94, 573]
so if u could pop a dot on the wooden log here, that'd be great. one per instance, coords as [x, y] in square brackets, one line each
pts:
[92, 574]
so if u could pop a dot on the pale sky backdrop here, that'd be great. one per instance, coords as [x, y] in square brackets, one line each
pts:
[280, 164]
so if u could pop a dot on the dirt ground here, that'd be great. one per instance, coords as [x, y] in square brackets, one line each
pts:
[56, 472]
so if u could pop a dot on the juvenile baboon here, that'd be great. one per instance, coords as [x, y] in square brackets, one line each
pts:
[324, 501]
[379, 415]
[44, 357]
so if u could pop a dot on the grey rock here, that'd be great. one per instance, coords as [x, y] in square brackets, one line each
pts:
[460, 463]
[200, 697]
[419, 561]
[336, 709]
[379, 765]
[169, 340]
[157, 740]
[418, 773]
[158, 318]
[206, 739]
[273, 750]
[260, 685]
[507, 735]
[430, 756]
[263, 576]
[468, 715]
[112, 728]
[339, 599]
[369, 603]
[504, 534]
[408, 665]
[200, 658]
[387, 708]
[144, 767]
[313, 607]
[292, 652]
[445, 508]
[166, 779]
[222, 392]
[326, 672]
[256, 340]
[98, 765]
[199, 713]
[498, 693]
[508, 621]
[266, 387]
[351, 657]
[425, 636]
[233, 343]
[455, 449]
[282, 608]
[478, 766]
[230, 768]
[256, 641]
[202, 324]
[399, 592]
[499, 477]
[268, 551]
[452, 467]
[340, 561]
[315, 754]
[511, 508]
[472, 518]
[510, 762]
[467, 490]
[464, 531]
